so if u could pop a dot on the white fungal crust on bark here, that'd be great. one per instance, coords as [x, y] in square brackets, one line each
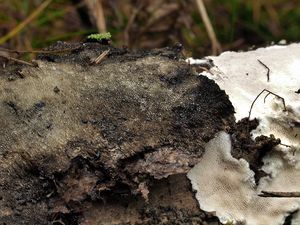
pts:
[244, 76]
[226, 186]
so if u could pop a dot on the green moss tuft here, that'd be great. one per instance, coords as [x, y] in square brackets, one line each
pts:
[100, 37]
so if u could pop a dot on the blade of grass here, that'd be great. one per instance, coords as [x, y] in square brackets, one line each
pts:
[216, 46]
[25, 22]
[95, 6]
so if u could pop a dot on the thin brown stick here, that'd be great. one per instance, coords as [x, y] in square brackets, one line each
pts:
[216, 47]
[268, 69]
[39, 51]
[275, 194]
[269, 92]
[17, 60]
[100, 58]
[23, 24]
[288, 146]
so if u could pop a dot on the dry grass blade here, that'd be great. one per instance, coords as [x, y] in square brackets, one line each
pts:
[274, 194]
[23, 24]
[96, 8]
[216, 47]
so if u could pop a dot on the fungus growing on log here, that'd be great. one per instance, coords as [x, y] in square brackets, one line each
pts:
[268, 99]
[226, 186]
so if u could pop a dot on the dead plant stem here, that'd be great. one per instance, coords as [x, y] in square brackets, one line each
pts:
[216, 47]
[23, 24]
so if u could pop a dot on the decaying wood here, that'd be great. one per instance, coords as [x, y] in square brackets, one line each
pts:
[76, 138]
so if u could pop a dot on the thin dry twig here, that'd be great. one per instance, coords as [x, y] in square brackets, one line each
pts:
[285, 145]
[266, 97]
[100, 58]
[9, 58]
[4, 53]
[269, 92]
[216, 46]
[22, 62]
[38, 51]
[268, 69]
[274, 194]
[23, 24]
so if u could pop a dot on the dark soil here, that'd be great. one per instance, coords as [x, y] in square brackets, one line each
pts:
[251, 150]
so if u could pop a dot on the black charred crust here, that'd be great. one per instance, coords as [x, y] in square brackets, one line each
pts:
[206, 108]
[28, 114]
[208, 92]
[81, 53]
[289, 219]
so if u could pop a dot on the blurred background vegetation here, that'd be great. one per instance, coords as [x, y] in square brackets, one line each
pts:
[238, 24]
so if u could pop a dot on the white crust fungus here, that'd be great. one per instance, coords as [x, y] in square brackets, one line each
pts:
[243, 76]
[224, 184]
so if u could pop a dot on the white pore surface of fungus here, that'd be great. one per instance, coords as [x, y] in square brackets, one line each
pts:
[226, 186]
[296, 219]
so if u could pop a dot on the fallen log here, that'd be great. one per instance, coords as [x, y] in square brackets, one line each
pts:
[82, 141]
